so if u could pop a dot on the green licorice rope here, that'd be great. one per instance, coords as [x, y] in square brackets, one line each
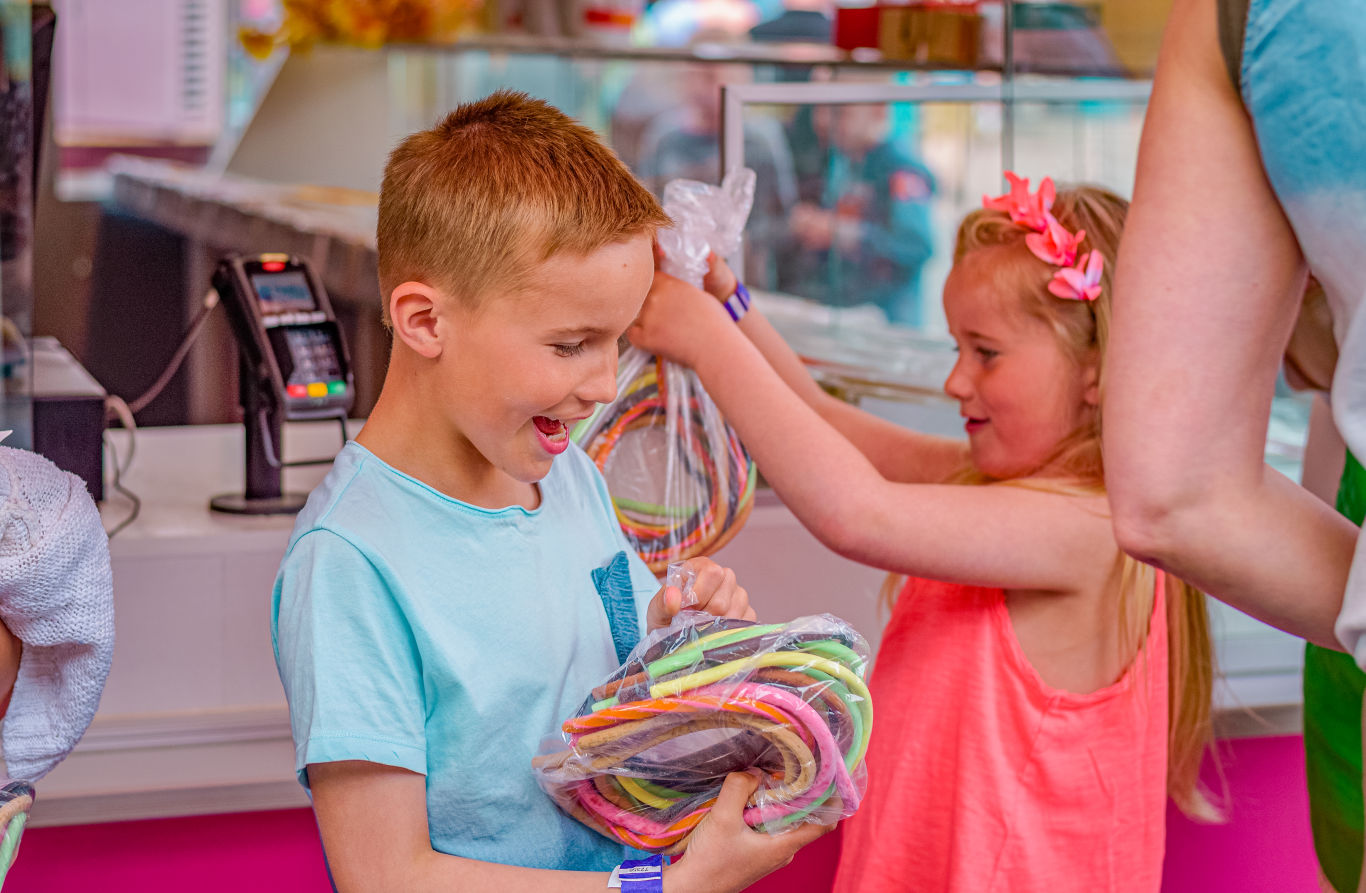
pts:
[14, 830]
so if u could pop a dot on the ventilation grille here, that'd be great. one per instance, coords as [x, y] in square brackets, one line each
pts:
[194, 62]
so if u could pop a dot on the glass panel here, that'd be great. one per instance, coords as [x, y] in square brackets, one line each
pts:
[1093, 142]
[878, 190]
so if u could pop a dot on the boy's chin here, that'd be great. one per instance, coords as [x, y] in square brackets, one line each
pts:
[529, 470]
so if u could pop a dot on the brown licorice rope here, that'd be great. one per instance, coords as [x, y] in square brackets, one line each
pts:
[613, 746]
[13, 808]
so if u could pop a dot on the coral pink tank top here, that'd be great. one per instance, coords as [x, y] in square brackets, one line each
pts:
[981, 777]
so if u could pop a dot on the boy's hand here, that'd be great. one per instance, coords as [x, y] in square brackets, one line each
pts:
[679, 322]
[716, 592]
[724, 854]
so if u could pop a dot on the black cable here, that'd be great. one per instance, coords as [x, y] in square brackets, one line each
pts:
[273, 459]
[117, 484]
[196, 326]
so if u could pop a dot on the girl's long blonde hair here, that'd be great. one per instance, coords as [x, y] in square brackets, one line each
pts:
[1077, 467]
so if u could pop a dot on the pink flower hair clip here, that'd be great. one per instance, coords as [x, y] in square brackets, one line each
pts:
[1074, 284]
[1024, 208]
[1055, 245]
[1078, 279]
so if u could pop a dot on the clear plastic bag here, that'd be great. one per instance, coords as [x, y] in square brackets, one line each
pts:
[644, 758]
[681, 482]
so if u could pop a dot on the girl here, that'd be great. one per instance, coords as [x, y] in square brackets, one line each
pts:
[1039, 694]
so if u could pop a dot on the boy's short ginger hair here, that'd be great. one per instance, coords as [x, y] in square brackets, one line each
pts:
[497, 187]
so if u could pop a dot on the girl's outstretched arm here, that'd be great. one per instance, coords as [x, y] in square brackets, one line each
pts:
[898, 453]
[1209, 281]
[1013, 537]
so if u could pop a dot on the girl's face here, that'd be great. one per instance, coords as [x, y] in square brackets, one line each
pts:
[1019, 393]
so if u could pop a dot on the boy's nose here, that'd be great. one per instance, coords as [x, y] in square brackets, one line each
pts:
[601, 386]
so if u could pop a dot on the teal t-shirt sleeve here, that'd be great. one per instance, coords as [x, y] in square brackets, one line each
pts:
[348, 659]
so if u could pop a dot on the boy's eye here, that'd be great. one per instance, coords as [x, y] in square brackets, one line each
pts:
[987, 353]
[569, 350]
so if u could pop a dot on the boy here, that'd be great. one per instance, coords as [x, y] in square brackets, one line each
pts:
[459, 582]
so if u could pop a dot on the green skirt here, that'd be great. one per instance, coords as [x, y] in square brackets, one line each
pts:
[1333, 691]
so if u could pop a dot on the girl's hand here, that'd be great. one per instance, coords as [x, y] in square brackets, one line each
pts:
[724, 854]
[720, 280]
[716, 592]
[679, 322]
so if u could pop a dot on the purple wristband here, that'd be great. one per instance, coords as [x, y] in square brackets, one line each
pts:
[641, 875]
[737, 305]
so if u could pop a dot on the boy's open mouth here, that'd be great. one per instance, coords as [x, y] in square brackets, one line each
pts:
[553, 434]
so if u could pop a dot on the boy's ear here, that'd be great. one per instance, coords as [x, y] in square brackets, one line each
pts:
[415, 309]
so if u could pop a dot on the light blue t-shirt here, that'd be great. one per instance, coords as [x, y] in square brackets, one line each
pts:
[418, 631]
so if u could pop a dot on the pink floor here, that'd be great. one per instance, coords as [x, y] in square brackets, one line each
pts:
[1265, 847]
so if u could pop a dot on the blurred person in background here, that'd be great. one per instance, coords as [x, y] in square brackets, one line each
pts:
[861, 230]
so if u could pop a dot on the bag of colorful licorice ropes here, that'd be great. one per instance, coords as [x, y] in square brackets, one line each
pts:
[680, 480]
[643, 760]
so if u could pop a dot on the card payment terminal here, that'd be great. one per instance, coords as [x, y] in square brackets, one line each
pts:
[293, 366]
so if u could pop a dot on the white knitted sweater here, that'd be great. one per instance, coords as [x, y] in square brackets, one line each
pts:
[57, 596]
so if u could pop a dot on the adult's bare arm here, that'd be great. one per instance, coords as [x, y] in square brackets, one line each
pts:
[1208, 284]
